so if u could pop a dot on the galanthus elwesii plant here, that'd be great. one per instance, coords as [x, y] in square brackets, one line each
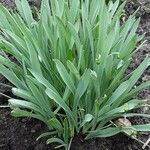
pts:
[70, 67]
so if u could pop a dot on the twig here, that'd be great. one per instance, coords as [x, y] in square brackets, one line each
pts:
[146, 144]
[6, 85]
[5, 95]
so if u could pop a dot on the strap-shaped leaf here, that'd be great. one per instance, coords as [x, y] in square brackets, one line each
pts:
[66, 131]
[132, 104]
[8, 63]
[23, 104]
[25, 11]
[23, 94]
[16, 40]
[115, 130]
[55, 140]
[81, 88]
[55, 123]
[34, 60]
[113, 8]
[73, 12]
[22, 113]
[46, 134]
[11, 76]
[126, 86]
[137, 89]
[65, 75]
[60, 102]
[14, 26]
[104, 132]
[43, 81]
[40, 99]
[5, 22]
[73, 69]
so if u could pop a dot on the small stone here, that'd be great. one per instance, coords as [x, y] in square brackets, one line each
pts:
[25, 140]
[123, 122]
[33, 131]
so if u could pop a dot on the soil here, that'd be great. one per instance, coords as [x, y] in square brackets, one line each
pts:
[21, 133]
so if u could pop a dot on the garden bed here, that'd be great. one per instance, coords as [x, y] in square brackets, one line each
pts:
[21, 134]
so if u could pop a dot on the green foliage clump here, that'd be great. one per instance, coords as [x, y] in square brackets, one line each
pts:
[70, 67]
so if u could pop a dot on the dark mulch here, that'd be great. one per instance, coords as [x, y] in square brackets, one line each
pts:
[21, 134]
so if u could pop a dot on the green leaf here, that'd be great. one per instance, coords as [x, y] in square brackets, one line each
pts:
[23, 104]
[34, 60]
[73, 69]
[65, 75]
[142, 128]
[46, 134]
[8, 63]
[22, 113]
[66, 131]
[10, 19]
[43, 81]
[115, 130]
[73, 12]
[114, 7]
[88, 118]
[23, 94]
[55, 123]
[24, 9]
[70, 65]
[55, 140]
[75, 36]
[126, 86]
[104, 132]
[137, 89]
[130, 105]
[81, 88]
[40, 99]
[60, 102]
[9, 48]
[11, 76]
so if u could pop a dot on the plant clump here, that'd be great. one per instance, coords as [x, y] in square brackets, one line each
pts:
[71, 64]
